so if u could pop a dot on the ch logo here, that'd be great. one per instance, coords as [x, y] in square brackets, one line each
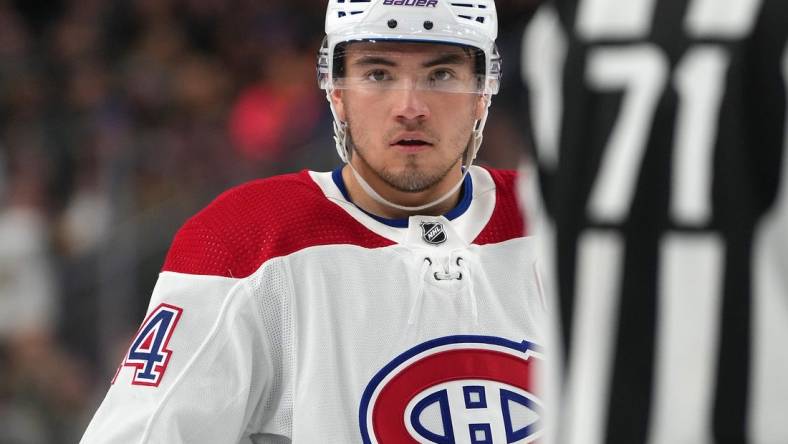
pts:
[433, 233]
[452, 390]
[486, 412]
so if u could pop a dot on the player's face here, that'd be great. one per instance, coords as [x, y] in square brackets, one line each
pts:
[410, 111]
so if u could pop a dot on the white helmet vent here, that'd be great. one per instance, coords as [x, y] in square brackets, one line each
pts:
[479, 11]
[347, 8]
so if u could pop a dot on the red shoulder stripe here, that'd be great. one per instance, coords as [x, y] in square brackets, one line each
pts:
[507, 220]
[260, 220]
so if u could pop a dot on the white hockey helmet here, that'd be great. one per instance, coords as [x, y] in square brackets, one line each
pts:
[456, 22]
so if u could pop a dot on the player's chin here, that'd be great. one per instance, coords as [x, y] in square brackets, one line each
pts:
[414, 180]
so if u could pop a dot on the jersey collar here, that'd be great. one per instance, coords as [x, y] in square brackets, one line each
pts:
[466, 196]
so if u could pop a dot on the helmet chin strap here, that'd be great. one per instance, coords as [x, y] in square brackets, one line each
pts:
[341, 139]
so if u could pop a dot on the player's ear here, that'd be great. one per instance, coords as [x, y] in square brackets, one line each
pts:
[339, 105]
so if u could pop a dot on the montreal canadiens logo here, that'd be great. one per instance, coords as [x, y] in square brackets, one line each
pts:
[455, 390]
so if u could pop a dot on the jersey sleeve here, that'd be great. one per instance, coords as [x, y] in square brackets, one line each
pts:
[199, 368]
[194, 372]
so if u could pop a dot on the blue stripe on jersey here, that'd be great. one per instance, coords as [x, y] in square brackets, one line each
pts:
[466, 196]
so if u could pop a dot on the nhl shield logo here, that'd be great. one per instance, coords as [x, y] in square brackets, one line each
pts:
[433, 233]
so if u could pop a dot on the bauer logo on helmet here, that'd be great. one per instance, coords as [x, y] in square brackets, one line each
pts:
[424, 3]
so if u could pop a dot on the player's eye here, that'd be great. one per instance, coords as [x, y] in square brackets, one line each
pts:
[442, 75]
[377, 75]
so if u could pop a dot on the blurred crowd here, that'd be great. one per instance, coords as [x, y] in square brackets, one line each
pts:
[118, 120]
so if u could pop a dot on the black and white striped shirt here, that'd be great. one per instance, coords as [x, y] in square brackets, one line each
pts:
[660, 133]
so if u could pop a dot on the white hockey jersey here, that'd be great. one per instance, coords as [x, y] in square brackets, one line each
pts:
[284, 313]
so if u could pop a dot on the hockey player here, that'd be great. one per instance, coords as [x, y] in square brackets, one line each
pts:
[385, 301]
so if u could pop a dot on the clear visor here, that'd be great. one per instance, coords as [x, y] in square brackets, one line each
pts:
[377, 67]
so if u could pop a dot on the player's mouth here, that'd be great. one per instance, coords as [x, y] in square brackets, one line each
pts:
[411, 143]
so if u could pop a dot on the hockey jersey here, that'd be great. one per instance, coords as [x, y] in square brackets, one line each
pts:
[284, 313]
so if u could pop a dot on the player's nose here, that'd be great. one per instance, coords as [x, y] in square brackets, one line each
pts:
[410, 104]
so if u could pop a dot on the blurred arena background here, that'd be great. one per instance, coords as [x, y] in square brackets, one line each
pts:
[118, 120]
